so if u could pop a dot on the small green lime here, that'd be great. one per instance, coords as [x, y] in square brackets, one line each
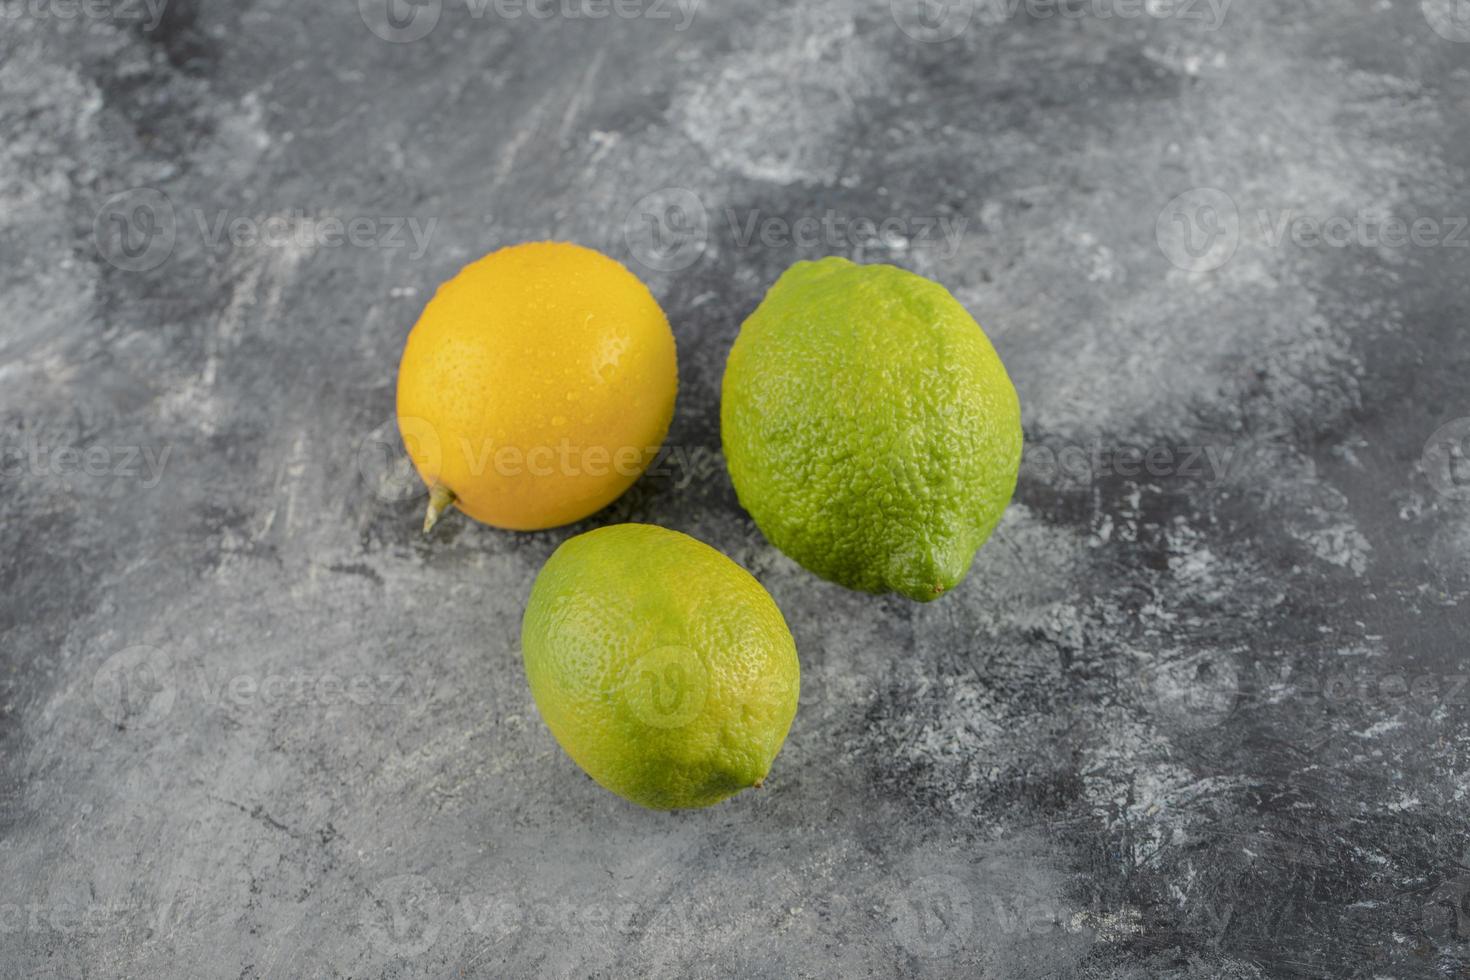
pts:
[870, 428]
[662, 667]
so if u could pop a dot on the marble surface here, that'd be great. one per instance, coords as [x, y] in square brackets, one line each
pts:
[1200, 710]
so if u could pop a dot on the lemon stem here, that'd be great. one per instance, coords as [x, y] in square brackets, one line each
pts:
[440, 500]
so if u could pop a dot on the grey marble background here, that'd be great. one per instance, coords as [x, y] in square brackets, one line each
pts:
[1201, 709]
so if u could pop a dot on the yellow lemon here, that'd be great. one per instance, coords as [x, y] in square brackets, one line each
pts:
[536, 387]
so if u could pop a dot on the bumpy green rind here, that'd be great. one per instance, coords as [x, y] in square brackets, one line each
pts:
[664, 669]
[870, 428]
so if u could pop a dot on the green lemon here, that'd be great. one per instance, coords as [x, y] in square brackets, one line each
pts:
[662, 667]
[870, 428]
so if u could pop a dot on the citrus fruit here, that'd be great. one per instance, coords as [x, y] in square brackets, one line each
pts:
[869, 427]
[536, 386]
[662, 667]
